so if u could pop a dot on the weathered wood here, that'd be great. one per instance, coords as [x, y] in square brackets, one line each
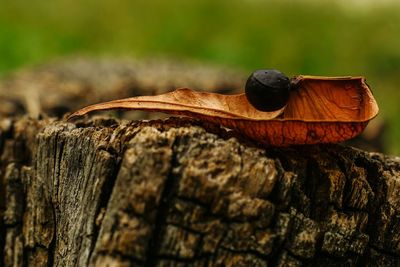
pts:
[183, 193]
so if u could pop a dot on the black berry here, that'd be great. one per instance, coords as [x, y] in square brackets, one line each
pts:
[267, 90]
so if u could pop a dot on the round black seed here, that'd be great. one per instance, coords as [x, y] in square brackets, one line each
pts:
[267, 90]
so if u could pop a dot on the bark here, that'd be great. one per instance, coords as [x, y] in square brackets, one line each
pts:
[185, 193]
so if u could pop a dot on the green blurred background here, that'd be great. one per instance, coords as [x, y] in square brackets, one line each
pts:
[298, 37]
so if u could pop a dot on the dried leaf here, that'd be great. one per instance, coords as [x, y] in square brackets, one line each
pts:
[319, 110]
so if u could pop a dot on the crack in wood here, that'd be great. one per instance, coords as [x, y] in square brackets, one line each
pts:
[162, 211]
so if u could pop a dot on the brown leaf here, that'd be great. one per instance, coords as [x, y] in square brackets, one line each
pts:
[319, 110]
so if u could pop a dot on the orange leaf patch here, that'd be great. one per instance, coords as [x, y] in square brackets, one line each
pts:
[319, 110]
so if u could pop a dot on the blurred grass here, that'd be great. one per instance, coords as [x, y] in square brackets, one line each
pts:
[296, 37]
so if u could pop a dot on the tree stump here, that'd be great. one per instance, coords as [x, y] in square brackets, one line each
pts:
[180, 192]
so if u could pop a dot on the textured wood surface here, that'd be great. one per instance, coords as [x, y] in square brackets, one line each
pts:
[182, 193]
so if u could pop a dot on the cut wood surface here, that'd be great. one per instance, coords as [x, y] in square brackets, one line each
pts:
[183, 193]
